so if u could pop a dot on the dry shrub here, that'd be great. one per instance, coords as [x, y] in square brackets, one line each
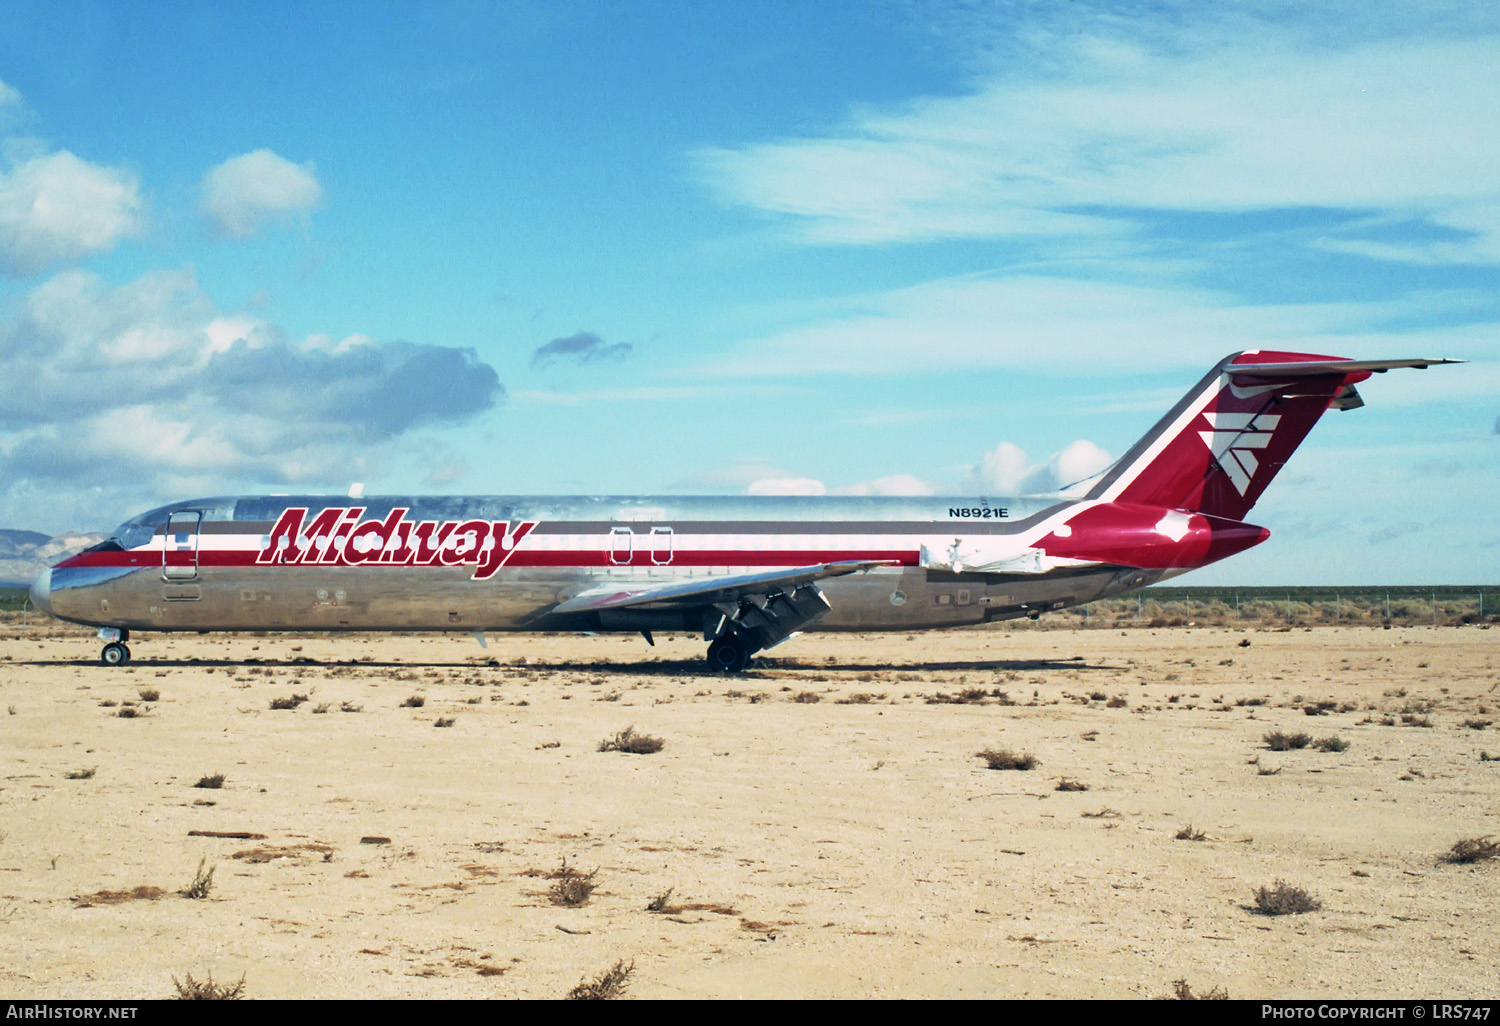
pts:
[202, 883]
[149, 694]
[189, 989]
[414, 702]
[660, 902]
[1473, 849]
[967, 696]
[1279, 741]
[1187, 833]
[1067, 784]
[1283, 899]
[444, 721]
[81, 774]
[1004, 759]
[1182, 992]
[807, 697]
[628, 740]
[290, 702]
[572, 888]
[606, 986]
[214, 782]
[1331, 744]
[1118, 702]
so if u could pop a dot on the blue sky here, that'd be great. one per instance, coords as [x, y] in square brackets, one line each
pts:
[645, 247]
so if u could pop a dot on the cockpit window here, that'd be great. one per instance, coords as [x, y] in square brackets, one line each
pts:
[133, 535]
[108, 545]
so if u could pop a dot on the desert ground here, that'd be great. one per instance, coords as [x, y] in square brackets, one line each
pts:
[822, 826]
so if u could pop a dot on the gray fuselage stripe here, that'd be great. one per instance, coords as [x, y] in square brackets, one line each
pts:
[959, 525]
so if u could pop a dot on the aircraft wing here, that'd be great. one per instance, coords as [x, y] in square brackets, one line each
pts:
[711, 590]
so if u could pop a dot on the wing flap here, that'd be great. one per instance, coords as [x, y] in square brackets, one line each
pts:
[711, 590]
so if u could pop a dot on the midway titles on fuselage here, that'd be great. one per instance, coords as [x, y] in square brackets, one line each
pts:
[338, 536]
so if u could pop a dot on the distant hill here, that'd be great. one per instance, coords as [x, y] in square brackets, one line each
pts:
[10, 541]
[24, 553]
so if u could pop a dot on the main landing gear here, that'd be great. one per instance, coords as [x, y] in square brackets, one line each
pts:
[729, 654]
[116, 653]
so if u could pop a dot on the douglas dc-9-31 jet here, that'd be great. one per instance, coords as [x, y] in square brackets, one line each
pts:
[746, 572]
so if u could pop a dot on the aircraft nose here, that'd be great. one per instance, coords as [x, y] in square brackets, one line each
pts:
[41, 591]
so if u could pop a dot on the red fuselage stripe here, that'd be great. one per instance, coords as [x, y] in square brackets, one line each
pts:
[522, 558]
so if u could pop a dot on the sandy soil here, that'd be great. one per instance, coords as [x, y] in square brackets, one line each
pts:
[823, 823]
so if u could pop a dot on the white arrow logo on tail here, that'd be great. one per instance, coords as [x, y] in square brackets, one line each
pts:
[1233, 440]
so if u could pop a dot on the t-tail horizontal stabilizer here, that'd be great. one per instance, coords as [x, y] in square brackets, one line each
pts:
[1224, 442]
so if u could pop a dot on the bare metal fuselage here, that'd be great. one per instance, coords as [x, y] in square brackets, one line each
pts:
[202, 566]
[746, 572]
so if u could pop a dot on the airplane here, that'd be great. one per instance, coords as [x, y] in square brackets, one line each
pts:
[746, 572]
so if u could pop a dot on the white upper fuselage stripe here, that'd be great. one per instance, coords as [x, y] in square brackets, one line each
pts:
[1166, 438]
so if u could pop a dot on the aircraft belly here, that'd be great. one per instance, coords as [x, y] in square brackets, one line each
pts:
[894, 601]
[315, 598]
[387, 598]
[916, 598]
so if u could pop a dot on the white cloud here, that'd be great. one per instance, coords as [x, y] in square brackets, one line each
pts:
[959, 324]
[56, 208]
[1204, 121]
[138, 393]
[10, 99]
[896, 484]
[245, 193]
[1006, 470]
[713, 391]
[1001, 470]
[224, 332]
[1076, 462]
[787, 486]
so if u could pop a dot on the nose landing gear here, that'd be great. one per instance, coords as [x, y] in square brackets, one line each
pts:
[115, 653]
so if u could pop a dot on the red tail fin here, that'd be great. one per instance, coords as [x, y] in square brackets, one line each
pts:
[1221, 445]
